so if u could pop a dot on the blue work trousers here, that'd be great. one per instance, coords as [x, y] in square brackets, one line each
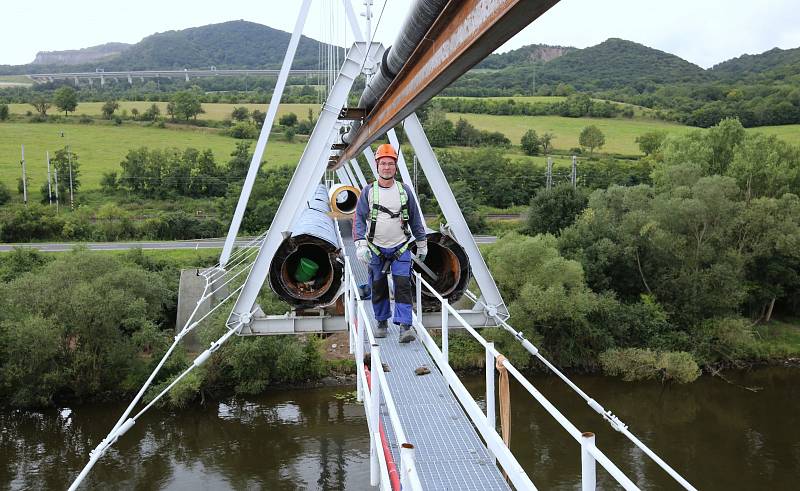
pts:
[401, 277]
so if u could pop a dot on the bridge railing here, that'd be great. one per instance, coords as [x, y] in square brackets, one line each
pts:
[374, 390]
[486, 423]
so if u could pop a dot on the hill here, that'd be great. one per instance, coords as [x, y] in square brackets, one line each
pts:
[614, 63]
[80, 56]
[524, 55]
[773, 65]
[235, 44]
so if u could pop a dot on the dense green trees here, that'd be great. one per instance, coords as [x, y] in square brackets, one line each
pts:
[160, 173]
[554, 209]
[58, 338]
[3, 112]
[685, 265]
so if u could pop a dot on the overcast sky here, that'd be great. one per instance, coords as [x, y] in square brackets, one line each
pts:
[704, 32]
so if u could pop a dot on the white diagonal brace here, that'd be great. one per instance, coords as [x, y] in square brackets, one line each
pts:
[370, 155]
[258, 153]
[357, 168]
[402, 167]
[452, 213]
[310, 170]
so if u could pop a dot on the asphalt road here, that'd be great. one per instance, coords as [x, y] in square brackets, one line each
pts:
[169, 244]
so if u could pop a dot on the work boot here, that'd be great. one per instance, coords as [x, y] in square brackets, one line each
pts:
[382, 329]
[406, 334]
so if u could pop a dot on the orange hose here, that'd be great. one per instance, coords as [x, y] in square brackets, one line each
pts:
[394, 475]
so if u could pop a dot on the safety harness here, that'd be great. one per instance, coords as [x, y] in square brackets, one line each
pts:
[373, 220]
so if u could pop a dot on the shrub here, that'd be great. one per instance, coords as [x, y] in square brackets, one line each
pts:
[243, 131]
[644, 364]
[288, 119]
[530, 142]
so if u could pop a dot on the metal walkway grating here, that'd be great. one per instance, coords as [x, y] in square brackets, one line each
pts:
[449, 453]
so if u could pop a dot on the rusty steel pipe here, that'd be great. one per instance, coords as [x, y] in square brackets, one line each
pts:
[464, 33]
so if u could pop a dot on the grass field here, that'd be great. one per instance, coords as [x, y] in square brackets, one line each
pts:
[213, 112]
[10, 80]
[101, 148]
[517, 98]
[620, 133]
[789, 132]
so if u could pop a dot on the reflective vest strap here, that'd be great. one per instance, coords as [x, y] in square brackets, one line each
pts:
[373, 214]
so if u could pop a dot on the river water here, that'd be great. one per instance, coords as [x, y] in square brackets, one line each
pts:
[718, 434]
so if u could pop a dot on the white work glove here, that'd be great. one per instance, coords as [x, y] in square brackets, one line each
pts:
[422, 249]
[362, 251]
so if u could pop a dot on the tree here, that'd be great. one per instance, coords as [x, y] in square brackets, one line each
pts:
[465, 134]
[289, 134]
[186, 105]
[239, 164]
[591, 137]
[650, 142]
[66, 99]
[151, 113]
[108, 108]
[135, 113]
[555, 209]
[547, 142]
[258, 118]
[3, 112]
[439, 129]
[288, 119]
[41, 105]
[5, 194]
[109, 182]
[530, 143]
[240, 113]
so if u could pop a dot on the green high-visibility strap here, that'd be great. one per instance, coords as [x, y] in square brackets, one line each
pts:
[376, 207]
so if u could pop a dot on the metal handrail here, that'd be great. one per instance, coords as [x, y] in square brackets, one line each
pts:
[360, 330]
[607, 415]
[588, 448]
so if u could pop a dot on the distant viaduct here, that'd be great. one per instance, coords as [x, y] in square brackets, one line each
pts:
[186, 74]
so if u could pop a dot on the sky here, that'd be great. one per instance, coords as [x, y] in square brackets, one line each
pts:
[704, 32]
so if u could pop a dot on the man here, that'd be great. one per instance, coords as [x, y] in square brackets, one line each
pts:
[387, 216]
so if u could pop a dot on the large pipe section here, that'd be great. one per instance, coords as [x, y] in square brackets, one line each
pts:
[419, 20]
[343, 199]
[307, 269]
[449, 261]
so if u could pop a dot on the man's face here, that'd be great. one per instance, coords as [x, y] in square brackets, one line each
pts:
[387, 167]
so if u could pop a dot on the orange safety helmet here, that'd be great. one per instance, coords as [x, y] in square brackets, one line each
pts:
[386, 150]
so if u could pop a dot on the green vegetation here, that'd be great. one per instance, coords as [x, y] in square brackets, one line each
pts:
[620, 134]
[102, 148]
[211, 111]
[59, 343]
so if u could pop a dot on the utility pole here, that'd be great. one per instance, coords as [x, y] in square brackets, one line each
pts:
[56, 176]
[574, 175]
[549, 173]
[49, 186]
[71, 196]
[24, 179]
